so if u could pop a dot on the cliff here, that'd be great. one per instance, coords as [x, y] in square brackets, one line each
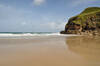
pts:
[87, 22]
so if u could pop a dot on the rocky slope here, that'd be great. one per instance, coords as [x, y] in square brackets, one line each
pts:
[87, 22]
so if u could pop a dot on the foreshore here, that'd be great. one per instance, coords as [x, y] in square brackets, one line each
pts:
[50, 51]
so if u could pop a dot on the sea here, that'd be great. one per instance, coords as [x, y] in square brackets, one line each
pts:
[30, 34]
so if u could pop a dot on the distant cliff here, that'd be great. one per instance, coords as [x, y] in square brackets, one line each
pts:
[87, 22]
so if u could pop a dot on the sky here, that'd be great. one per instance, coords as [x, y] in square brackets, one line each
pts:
[40, 15]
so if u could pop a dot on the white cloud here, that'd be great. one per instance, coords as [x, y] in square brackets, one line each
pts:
[1, 5]
[24, 23]
[14, 19]
[54, 26]
[38, 2]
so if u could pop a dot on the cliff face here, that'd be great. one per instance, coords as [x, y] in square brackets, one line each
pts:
[87, 22]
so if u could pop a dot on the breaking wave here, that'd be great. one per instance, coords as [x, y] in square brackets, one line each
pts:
[29, 34]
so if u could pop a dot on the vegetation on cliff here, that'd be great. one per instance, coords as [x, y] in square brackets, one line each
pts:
[87, 21]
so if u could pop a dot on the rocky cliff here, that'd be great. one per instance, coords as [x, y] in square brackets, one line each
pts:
[87, 22]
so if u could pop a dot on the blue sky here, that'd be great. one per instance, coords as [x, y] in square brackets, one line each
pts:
[40, 15]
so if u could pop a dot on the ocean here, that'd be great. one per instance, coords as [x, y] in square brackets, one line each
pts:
[29, 34]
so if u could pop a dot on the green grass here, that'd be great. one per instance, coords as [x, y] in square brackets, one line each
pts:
[90, 9]
[82, 17]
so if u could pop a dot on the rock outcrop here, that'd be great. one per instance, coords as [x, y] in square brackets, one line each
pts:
[87, 22]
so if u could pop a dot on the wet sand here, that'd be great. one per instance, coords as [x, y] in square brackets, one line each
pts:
[50, 51]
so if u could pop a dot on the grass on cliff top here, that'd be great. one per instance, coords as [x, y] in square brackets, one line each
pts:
[82, 17]
[90, 10]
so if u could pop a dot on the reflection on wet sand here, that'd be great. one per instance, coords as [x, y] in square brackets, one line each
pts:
[50, 51]
[46, 51]
[86, 47]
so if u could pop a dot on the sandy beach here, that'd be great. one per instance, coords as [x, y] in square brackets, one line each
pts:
[50, 51]
[49, 32]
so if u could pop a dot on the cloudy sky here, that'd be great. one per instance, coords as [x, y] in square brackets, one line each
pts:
[39, 15]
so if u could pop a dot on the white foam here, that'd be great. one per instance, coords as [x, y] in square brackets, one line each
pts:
[35, 34]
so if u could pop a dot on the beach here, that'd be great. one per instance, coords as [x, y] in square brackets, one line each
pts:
[49, 32]
[50, 51]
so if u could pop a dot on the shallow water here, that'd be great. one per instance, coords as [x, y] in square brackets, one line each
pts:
[50, 51]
